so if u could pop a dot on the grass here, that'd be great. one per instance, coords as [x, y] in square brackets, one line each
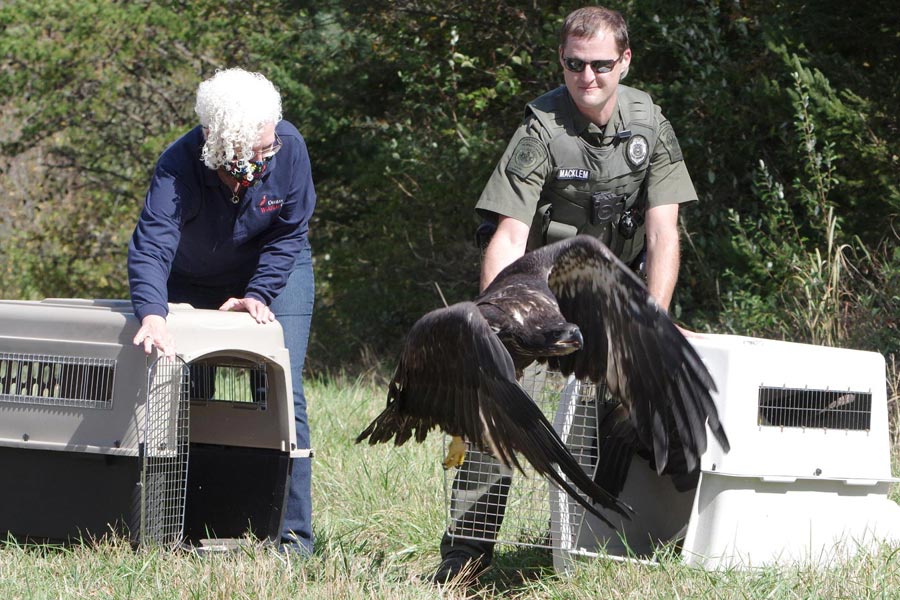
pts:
[378, 520]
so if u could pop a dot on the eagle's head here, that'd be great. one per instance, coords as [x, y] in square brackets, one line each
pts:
[562, 340]
[555, 339]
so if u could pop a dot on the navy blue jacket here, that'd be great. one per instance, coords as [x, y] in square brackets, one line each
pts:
[191, 244]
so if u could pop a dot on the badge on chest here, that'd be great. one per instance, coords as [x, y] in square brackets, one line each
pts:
[636, 150]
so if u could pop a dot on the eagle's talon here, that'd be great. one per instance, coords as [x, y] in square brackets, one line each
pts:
[456, 453]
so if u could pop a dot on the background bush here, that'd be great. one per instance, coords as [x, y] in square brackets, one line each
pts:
[786, 112]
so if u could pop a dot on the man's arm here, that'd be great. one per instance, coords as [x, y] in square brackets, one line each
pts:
[507, 245]
[663, 252]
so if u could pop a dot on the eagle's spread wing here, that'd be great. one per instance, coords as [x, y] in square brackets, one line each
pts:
[647, 362]
[455, 374]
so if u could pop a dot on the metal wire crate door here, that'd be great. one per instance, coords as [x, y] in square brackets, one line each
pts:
[527, 519]
[164, 452]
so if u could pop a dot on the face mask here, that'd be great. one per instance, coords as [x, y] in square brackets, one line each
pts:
[247, 172]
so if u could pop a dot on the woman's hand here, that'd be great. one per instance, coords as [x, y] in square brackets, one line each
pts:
[155, 332]
[257, 309]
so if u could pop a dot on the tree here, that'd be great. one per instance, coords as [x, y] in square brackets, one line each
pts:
[406, 107]
[94, 91]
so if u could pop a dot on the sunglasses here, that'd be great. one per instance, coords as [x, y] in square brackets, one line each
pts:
[576, 65]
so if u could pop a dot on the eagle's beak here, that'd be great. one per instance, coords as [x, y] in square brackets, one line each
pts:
[572, 340]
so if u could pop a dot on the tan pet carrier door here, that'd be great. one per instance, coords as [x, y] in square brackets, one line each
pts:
[164, 452]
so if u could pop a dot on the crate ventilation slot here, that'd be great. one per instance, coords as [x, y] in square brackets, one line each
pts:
[44, 379]
[814, 409]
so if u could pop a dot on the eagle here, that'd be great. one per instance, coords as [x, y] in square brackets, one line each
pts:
[575, 306]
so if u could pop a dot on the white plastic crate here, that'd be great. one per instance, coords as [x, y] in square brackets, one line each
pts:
[806, 479]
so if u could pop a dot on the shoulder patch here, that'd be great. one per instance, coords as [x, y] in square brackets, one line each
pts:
[528, 154]
[670, 142]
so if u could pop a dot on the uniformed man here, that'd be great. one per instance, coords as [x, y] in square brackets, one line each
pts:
[593, 156]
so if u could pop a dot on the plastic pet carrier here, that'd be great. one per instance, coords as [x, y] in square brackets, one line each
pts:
[98, 438]
[806, 480]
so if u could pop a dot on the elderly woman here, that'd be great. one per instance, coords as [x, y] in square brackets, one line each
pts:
[225, 226]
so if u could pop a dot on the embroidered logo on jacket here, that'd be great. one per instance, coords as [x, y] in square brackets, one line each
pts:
[267, 204]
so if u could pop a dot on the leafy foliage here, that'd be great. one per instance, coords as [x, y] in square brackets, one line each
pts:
[802, 271]
[784, 111]
[95, 90]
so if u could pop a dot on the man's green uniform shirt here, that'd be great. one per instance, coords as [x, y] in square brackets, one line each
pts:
[557, 161]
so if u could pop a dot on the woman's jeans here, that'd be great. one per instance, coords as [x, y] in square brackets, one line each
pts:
[293, 309]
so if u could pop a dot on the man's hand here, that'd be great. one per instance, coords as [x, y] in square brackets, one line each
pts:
[688, 333]
[155, 332]
[257, 309]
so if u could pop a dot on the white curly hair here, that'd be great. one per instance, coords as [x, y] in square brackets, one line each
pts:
[234, 105]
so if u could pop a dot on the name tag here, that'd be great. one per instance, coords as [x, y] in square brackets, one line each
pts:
[573, 175]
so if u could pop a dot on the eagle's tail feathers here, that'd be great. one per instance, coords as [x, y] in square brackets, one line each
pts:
[392, 424]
